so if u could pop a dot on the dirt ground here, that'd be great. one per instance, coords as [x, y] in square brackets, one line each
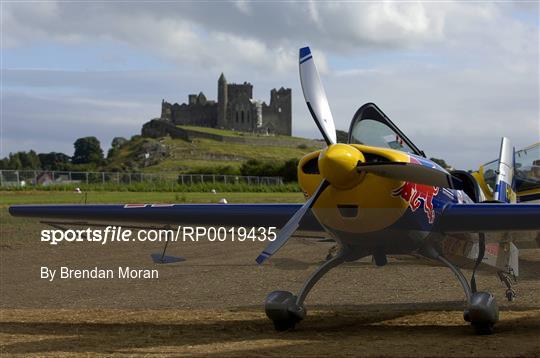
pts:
[212, 305]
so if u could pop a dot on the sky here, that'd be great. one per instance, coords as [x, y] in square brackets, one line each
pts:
[454, 76]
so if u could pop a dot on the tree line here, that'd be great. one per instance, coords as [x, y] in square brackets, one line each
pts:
[88, 153]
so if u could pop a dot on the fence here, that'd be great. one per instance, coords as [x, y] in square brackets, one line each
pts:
[10, 178]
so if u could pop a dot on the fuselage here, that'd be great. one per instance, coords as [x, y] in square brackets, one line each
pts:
[378, 212]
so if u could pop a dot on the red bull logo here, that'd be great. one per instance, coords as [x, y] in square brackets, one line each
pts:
[418, 195]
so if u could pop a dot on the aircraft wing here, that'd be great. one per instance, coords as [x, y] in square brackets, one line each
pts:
[489, 217]
[247, 215]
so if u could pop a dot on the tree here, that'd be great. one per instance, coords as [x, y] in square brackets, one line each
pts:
[29, 160]
[21, 161]
[87, 150]
[4, 163]
[342, 136]
[289, 170]
[258, 168]
[116, 143]
[15, 161]
[441, 162]
[54, 161]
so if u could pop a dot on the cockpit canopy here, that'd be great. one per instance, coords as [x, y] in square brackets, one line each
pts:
[370, 126]
[527, 169]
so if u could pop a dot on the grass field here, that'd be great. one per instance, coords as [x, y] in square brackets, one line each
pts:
[207, 153]
[46, 197]
[230, 133]
[202, 153]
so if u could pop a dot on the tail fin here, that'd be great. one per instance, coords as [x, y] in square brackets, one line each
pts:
[505, 190]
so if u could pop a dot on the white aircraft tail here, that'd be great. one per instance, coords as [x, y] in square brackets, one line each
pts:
[505, 189]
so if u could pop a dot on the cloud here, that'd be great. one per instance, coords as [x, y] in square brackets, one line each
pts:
[454, 75]
[255, 34]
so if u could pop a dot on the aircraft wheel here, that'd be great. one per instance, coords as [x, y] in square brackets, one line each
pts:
[483, 328]
[281, 308]
[482, 312]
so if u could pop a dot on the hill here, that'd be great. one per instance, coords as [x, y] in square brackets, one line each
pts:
[205, 150]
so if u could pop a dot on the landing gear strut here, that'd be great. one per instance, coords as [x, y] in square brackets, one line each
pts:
[286, 309]
[508, 279]
[482, 310]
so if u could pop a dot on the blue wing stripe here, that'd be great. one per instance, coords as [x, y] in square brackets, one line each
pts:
[489, 217]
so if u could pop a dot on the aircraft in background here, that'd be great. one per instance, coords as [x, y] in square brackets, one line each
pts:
[375, 196]
[527, 175]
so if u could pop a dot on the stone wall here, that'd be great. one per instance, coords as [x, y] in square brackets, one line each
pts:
[195, 114]
[235, 90]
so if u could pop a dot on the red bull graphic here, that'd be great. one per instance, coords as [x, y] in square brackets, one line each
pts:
[417, 195]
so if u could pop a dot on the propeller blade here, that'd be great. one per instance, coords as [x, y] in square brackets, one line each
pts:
[316, 97]
[290, 227]
[411, 172]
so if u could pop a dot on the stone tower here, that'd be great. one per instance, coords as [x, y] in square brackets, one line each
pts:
[166, 110]
[222, 102]
[280, 102]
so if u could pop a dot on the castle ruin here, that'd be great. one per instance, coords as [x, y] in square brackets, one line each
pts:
[235, 109]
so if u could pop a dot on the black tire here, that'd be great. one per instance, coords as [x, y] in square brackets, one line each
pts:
[284, 325]
[483, 329]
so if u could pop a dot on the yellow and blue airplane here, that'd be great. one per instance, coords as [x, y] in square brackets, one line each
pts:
[375, 196]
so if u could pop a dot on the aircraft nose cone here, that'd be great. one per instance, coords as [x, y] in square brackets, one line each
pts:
[337, 163]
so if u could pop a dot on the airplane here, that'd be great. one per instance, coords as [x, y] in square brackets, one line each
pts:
[527, 175]
[377, 195]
